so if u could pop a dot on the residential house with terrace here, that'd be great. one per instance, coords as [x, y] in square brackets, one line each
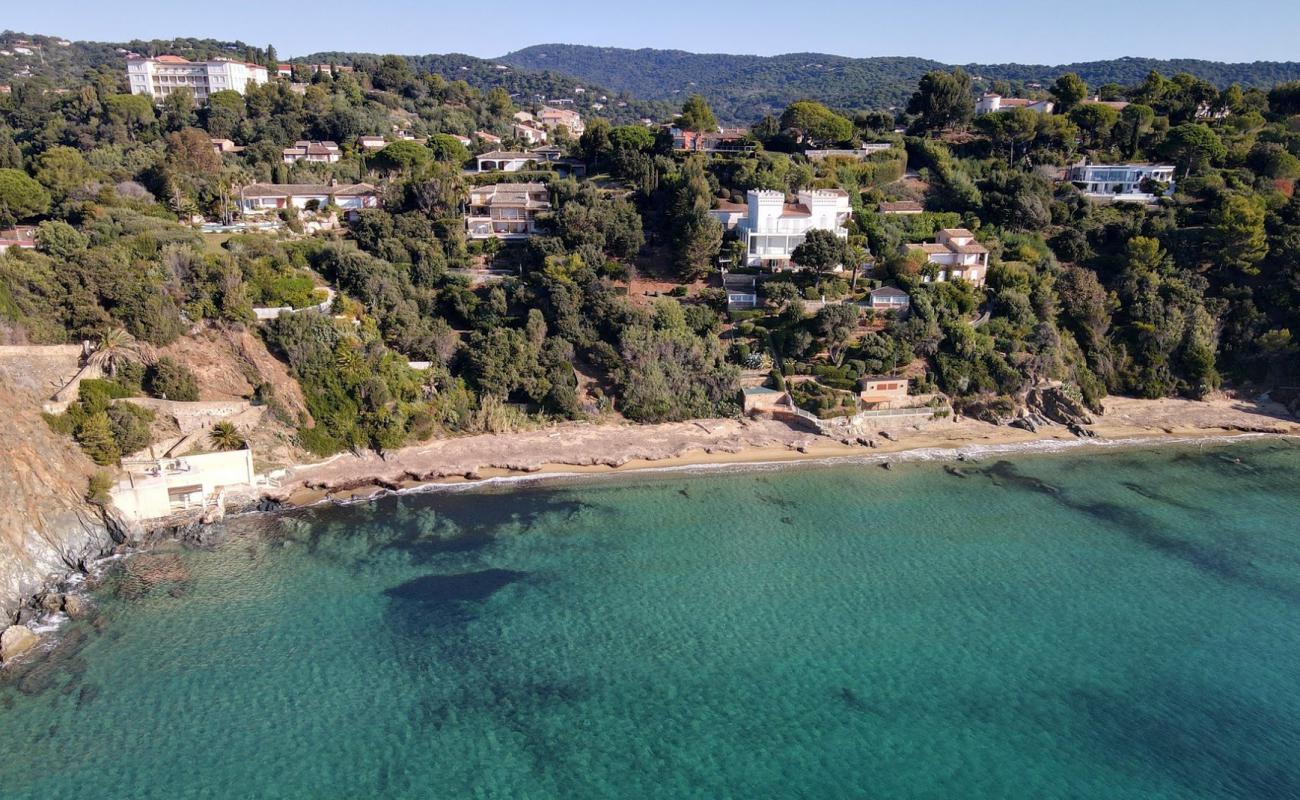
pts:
[889, 298]
[901, 207]
[372, 142]
[529, 134]
[262, 198]
[772, 228]
[1120, 182]
[551, 118]
[22, 237]
[957, 255]
[504, 161]
[313, 152]
[722, 141]
[506, 210]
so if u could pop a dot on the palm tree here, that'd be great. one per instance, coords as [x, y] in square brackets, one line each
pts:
[115, 349]
[225, 436]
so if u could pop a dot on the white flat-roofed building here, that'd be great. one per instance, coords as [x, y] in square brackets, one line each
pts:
[1120, 182]
[957, 254]
[506, 210]
[991, 103]
[772, 228]
[505, 161]
[261, 198]
[159, 77]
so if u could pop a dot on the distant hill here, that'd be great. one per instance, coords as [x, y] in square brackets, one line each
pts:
[524, 84]
[744, 87]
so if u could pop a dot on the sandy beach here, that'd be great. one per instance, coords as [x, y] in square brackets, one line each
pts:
[594, 448]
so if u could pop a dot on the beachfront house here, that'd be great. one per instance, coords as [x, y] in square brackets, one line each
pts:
[158, 488]
[881, 392]
[957, 255]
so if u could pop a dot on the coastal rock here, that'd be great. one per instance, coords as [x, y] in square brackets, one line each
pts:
[144, 572]
[77, 607]
[1054, 404]
[52, 602]
[16, 640]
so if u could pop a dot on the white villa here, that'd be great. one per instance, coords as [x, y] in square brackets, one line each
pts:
[889, 298]
[1119, 182]
[159, 77]
[772, 228]
[991, 103]
[505, 161]
[505, 210]
[261, 198]
[957, 254]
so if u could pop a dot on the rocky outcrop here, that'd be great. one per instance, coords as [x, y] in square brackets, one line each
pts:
[1054, 404]
[16, 640]
[46, 528]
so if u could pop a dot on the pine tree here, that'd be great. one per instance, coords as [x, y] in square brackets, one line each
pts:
[96, 437]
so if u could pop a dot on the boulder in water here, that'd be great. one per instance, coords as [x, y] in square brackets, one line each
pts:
[16, 640]
[77, 607]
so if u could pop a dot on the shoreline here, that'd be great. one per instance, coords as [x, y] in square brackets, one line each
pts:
[595, 450]
[686, 465]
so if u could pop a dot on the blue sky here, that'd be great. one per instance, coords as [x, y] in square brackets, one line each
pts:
[1041, 31]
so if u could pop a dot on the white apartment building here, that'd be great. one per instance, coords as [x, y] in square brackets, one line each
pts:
[159, 77]
[772, 228]
[1120, 182]
[958, 256]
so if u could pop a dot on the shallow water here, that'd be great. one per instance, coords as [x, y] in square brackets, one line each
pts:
[1112, 625]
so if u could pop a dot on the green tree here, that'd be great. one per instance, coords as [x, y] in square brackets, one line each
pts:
[1096, 122]
[697, 236]
[62, 170]
[696, 115]
[448, 148]
[1069, 90]
[95, 435]
[1194, 146]
[20, 196]
[942, 100]
[1238, 230]
[402, 156]
[814, 123]
[821, 251]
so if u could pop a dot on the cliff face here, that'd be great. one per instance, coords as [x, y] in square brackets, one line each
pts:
[46, 528]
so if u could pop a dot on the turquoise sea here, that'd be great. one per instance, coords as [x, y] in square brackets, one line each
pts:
[1087, 624]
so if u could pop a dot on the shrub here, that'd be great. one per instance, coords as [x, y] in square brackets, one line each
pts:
[171, 381]
[98, 486]
[130, 426]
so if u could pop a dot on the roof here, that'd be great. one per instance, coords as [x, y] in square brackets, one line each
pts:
[968, 249]
[795, 210]
[513, 194]
[172, 60]
[888, 291]
[508, 155]
[954, 232]
[931, 247]
[295, 189]
[900, 206]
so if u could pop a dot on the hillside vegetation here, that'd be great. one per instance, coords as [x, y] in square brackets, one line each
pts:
[744, 88]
